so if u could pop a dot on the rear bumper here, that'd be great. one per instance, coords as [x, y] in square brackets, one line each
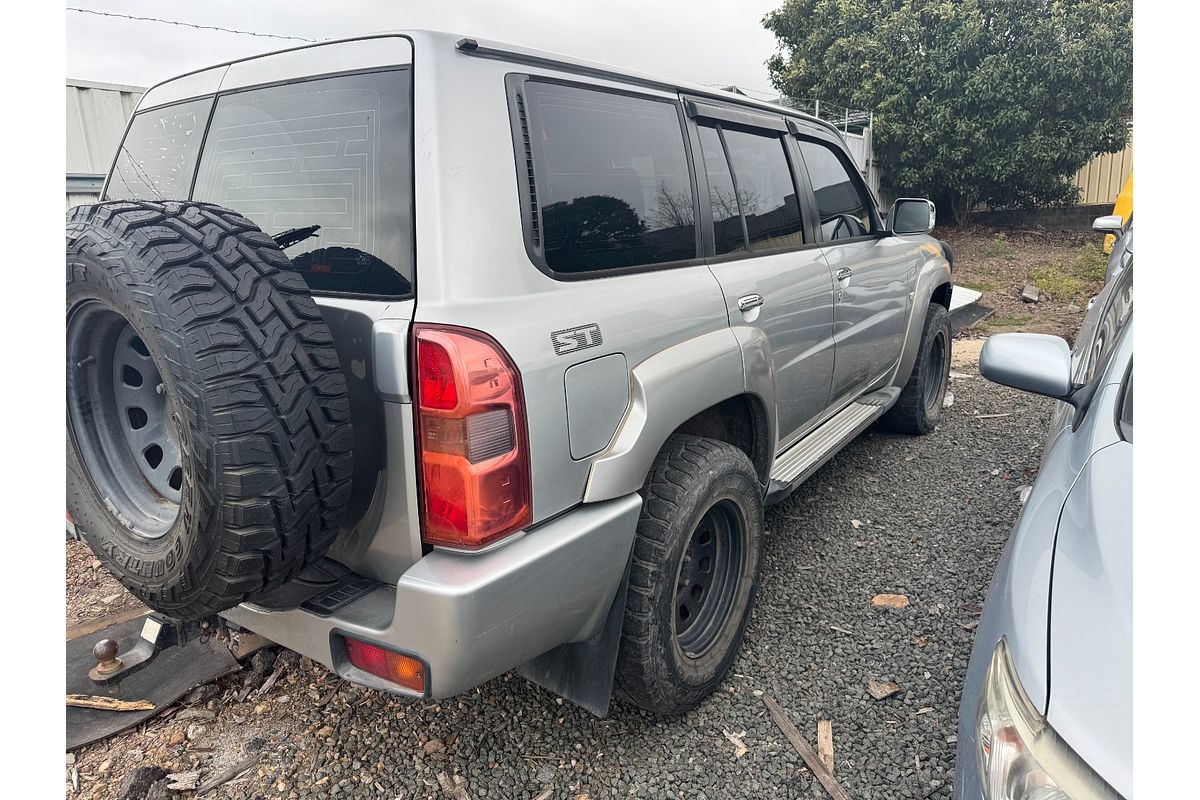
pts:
[470, 617]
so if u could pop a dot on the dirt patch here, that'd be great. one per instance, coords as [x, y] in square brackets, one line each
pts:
[965, 352]
[1067, 266]
[92, 591]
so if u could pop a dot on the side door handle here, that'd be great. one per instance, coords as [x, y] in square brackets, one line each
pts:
[749, 301]
[844, 274]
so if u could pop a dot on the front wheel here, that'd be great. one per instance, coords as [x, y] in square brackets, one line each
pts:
[696, 561]
[920, 405]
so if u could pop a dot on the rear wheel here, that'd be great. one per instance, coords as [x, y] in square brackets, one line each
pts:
[696, 561]
[919, 407]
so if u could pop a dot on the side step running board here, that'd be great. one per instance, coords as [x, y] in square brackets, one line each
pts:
[808, 455]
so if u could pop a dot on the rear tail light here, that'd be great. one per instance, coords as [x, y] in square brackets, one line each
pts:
[475, 484]
[395, 667]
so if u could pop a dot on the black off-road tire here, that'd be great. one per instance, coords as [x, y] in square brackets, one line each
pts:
[253, 391]
[691, 476]
[919, 407]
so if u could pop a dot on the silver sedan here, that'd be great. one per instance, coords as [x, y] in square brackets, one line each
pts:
[1046, 712]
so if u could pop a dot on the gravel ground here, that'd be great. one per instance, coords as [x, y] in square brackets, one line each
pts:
[924, 517]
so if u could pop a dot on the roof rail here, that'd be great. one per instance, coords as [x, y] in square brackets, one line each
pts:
[472, 47]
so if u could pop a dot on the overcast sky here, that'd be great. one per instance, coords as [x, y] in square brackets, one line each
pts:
[702, 41]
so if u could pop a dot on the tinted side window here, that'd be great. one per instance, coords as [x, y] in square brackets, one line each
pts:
[727, 220]
[612, 179]
[840, 199]
[333, 153]
[157, 159]
[765, 187]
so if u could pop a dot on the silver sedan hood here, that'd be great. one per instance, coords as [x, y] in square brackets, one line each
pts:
[1091, 608]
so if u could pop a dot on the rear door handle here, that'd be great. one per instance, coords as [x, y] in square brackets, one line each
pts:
[844, 274]
[749, 301]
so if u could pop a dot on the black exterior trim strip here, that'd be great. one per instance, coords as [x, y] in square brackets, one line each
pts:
[737, 195]
[735, 116]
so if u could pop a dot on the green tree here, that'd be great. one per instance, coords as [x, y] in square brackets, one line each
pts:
[976, 101]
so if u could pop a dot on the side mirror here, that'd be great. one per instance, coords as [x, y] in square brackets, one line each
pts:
[1031, 362]
[911, 215]
[1108, 224]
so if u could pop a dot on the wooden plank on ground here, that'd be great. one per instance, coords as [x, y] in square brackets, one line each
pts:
[108, 703]
[805, 750]
[825, 743]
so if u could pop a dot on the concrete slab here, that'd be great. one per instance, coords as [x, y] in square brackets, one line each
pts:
[962, 296]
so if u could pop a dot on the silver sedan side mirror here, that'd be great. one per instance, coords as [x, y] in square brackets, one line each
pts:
[911, 215]
[1031, 362]
[1108, 224]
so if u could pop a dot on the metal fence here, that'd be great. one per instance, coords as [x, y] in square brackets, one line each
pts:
[862, 150]
[96, 117]
[1101, 179]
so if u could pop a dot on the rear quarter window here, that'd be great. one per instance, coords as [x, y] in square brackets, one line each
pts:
[330, 152]
[613, 187]
[157, 158]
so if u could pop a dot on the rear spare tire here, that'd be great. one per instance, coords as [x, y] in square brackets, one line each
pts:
[209, 443]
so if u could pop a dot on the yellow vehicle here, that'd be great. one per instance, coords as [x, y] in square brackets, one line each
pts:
[1122, 208]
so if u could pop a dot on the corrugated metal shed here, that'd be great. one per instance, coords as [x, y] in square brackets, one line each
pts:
[96, 117]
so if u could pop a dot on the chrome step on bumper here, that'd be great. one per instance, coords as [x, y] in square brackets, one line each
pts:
[795, 465]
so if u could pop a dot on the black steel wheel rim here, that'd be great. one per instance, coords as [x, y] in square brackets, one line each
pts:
[936, 373]
[708, 579]
[119, 414]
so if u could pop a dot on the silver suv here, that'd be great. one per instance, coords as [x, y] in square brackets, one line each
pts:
[431, 358]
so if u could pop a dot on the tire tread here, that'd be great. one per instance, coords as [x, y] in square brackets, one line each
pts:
[677, 468]
[907, 414]
[261, 384]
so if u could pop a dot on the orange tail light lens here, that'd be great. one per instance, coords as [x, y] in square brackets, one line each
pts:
[396, 667]
[473, 438]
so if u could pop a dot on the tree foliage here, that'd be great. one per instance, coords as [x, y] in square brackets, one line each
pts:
[976, 101]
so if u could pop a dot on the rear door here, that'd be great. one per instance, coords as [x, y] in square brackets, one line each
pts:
[328, 157]
[771, 272]
[872, 272]
[316, 141]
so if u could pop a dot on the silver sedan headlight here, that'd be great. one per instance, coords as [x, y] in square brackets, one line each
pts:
[1020, 757]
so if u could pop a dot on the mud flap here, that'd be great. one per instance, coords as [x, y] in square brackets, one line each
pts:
[583, 672]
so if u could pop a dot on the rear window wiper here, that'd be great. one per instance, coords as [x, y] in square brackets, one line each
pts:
[291, 236]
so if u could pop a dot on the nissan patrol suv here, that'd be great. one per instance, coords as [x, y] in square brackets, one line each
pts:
[433, 358]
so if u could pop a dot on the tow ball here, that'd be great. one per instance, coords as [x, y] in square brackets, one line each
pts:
[158, 633]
